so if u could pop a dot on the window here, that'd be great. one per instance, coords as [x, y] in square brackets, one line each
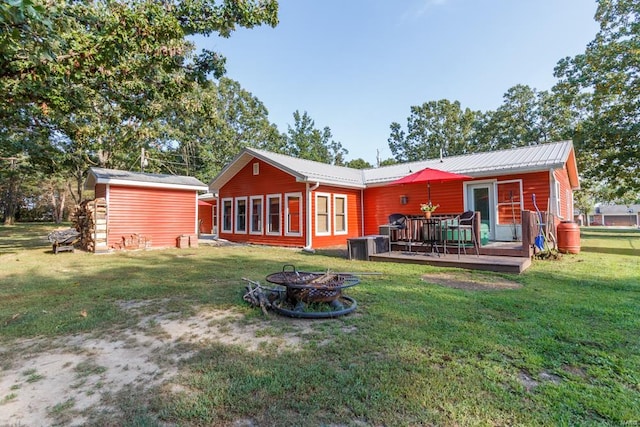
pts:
[323, 215]
[293, 214]
[256, 168]
[241, 215]
[274, 217]
[340, 214]
[227, 214]
[255, 225]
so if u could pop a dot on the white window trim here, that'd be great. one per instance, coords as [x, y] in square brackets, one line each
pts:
[558, 199]
[251, 230]
[328, 197]
[268, 216]
[256, 168]
[222, 227]
[246, 209]
[346, 214]
[287, 196]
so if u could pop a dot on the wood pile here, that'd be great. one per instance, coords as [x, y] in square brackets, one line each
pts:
[90, 220]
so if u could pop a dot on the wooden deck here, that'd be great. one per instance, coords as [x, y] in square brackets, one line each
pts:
[501, 264]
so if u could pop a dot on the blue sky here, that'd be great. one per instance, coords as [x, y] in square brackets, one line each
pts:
[359, 65]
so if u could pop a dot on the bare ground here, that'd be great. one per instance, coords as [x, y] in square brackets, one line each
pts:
[44, 382]
[64, 381]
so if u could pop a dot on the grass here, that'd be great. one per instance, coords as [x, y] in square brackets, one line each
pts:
[562, 350]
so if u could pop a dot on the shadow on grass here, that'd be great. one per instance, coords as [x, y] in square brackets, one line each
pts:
[611, 251]
[23, 236]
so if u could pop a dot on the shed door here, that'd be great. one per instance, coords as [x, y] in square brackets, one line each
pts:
[480, 198]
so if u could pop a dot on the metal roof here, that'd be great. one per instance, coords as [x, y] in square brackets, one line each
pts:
[303, 170]
[516, 160]
[138, 179]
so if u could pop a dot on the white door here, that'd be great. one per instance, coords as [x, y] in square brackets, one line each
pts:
[480, 198]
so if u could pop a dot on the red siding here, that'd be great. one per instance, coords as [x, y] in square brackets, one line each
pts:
[566, 205]
[380, 202]
[270, 180]
[156, 213]
[354, 221]
[205, 217]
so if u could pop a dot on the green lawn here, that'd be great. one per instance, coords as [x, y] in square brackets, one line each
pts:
[564, 349]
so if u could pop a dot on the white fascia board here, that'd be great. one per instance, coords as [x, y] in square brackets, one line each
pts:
[128, 183]
[333, 183]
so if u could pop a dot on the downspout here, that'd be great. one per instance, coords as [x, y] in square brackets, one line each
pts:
[362, 212]
[309, 239]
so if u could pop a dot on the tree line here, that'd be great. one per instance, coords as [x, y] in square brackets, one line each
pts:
[118, 84]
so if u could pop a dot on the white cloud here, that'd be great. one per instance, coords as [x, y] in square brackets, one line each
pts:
[426, 5]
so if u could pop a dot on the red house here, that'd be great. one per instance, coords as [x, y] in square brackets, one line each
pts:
[159, 207]
[271, 198]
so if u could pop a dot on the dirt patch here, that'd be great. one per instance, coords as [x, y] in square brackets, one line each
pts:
[470, 281]
[63, 380]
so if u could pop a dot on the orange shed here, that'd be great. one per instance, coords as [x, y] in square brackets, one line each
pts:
[158, 209]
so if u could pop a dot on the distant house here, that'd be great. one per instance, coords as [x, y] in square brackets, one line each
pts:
[270, 198]
[616, 215]
[159, 207]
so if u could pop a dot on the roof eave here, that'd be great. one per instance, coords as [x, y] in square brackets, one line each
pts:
[132, 183]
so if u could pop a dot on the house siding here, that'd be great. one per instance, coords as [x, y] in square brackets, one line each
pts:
[269, 181]
[354, 221]
[566, 195]
[205, 218]
[161, 215]
[380, 202]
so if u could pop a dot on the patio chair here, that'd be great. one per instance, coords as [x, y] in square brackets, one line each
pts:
[397, 222]
[462, 229]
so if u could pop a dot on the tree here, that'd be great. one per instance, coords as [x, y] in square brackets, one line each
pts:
[525, 117]
[358, 164]
[606, 80]
[434, 128]
[209, 127]
[304, 141]
[92, 78]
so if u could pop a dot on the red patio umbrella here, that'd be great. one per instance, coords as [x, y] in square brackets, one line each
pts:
[429, 175]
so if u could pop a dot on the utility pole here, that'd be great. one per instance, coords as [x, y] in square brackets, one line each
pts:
[143, 160]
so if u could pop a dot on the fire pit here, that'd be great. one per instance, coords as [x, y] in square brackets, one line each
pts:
[313, 295]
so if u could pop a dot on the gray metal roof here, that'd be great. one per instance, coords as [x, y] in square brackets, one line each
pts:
[115, 176]
[303, 170]
[516, 160]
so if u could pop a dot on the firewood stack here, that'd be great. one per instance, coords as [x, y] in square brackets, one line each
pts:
[90, 220]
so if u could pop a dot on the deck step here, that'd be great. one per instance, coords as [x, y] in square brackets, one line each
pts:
[499, 264]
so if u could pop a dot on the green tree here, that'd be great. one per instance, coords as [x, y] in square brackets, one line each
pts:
[606, 80]
[525, 117]
[306, 142]
[434, 128]
[210, 126]
[358, 164]
[92, 78]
